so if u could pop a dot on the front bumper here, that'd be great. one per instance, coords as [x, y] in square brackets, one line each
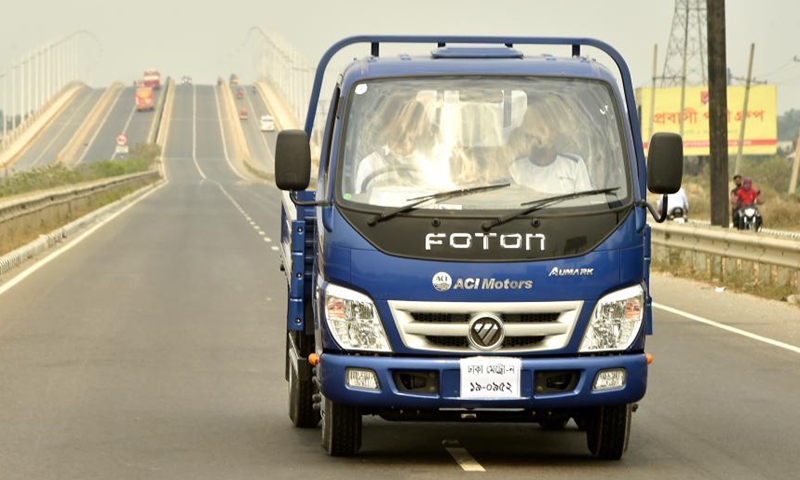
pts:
[332, 369]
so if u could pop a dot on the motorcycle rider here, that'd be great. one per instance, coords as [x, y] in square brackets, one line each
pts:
[745, 195]
[674, 201]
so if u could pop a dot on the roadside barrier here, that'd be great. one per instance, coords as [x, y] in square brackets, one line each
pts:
[728, 254]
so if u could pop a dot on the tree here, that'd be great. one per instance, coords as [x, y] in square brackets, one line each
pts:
[788, 125]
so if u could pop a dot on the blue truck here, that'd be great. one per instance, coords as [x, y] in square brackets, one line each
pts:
[476, 246]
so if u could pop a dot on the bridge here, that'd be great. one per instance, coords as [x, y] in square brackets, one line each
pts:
[150, 344]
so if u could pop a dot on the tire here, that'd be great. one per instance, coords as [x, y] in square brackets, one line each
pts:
[301, 404]
[341, 429]
[608, 431]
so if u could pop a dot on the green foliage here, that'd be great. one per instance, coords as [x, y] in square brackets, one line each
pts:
[57, 174]
[788, 125]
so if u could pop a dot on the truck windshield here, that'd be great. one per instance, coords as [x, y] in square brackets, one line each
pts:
[407, 138]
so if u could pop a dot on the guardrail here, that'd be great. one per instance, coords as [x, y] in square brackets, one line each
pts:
[33, 206]
[21, 216]
[728, 254]
[231, 115]
[159, 113]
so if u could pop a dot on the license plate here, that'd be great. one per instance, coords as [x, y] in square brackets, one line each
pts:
[490, 377]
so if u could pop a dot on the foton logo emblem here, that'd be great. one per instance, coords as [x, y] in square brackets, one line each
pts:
[484, 241]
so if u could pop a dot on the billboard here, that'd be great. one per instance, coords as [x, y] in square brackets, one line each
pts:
[761, 128]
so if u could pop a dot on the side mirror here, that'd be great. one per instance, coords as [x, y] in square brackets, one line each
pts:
[292, 160]
[665, 163]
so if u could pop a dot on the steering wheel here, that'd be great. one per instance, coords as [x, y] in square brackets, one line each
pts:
[408, 169]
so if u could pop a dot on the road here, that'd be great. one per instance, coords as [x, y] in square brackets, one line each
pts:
[154, 349]
[121, 118]
[261, 144]
[44, 149]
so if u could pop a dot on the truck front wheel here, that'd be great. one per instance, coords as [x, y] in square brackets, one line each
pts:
[341, 429]
[608, 430]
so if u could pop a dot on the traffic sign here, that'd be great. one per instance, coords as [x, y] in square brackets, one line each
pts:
[122, 140]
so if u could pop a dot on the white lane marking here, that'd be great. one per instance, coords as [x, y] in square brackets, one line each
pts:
[464, 459]
[222, 134]
[255, 226]
[41, 263]
[737, 331]
[194, 132]
[97, 132]
[274, 249]
[60, 132]
[125, 128]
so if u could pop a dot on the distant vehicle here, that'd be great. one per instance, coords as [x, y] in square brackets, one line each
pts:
[152, 78]
[234, 79]
[243, 113]
[267, 123]
[145, 98]
[186, 80]
[239, 93]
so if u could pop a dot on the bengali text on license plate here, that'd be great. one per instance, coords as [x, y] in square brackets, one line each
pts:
[490, 377]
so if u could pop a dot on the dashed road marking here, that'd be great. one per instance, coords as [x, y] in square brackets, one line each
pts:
[241, 210]
[464, 459]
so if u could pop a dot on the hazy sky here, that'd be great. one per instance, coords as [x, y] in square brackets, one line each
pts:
[206, 39]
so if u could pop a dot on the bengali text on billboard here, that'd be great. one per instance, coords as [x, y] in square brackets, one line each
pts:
[761, 127]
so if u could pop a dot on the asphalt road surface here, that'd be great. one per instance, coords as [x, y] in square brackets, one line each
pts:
[121, 118]
[154, 349]
[45, 147]
[261, 144]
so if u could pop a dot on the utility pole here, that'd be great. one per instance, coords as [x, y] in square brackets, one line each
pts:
[718, 112]
[744, 109]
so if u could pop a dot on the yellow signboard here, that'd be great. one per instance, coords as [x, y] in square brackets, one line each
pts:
[761, 127]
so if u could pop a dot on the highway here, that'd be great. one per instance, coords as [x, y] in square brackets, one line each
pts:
[154, 348]
[121, 118]
[46, 146]
[261, 144]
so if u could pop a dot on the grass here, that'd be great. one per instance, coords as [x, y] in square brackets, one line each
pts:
[141, 158]
[677, 265]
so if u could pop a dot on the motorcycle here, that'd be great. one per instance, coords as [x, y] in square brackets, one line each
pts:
[750, 218]
[677, 215]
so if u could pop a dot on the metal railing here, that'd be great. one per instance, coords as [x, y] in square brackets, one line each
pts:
[728, 254]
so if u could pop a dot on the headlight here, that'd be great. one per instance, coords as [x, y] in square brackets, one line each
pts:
[354, 320]
[615, 321]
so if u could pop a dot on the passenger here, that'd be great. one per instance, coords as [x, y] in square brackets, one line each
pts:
[542, 167]
[405, 141]
[737, 184]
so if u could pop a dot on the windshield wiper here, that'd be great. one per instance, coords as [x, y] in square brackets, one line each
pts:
[433, 196]
[541, 203]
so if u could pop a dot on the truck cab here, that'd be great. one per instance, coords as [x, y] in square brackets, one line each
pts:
[476, 248]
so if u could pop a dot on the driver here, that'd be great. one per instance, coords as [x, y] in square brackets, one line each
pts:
[406, 142]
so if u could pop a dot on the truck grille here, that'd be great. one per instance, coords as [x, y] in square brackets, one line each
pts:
[444, 326]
